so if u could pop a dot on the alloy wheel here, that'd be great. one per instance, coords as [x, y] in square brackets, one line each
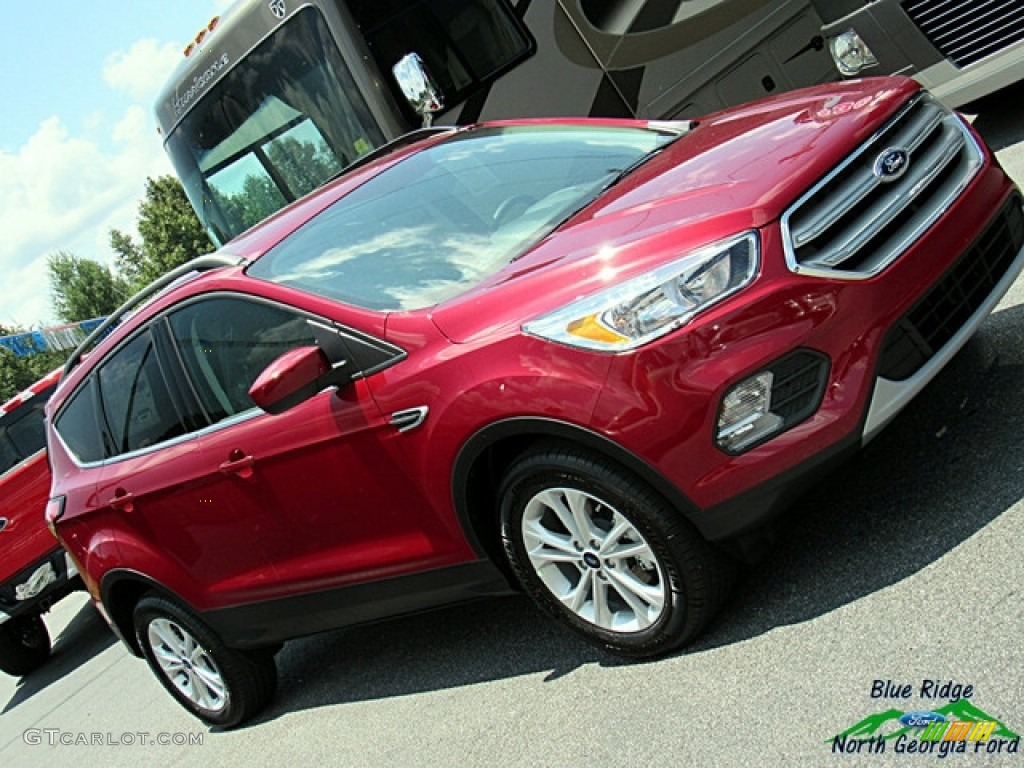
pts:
[187, 665]
[593, 560]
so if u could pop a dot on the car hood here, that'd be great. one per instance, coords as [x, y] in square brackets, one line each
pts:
[736, 170]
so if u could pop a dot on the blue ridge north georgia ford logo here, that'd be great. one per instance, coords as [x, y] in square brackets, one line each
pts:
[891, 164]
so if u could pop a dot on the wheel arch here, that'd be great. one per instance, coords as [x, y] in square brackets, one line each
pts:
[120, 592]
[483, 459]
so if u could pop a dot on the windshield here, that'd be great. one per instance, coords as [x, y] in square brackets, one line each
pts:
[440, 221]
[286, 119]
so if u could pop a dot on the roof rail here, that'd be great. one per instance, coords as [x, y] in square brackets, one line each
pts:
[201, 264]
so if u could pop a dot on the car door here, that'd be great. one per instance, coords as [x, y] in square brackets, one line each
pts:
[321, 489]
[157, 485]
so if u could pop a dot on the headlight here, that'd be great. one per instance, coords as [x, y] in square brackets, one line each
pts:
[851, 54]
[644, 308]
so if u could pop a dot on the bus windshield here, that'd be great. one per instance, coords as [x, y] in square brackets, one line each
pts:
[285, 120]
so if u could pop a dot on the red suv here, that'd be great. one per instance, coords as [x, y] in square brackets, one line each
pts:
[34, 570]
[595, 354]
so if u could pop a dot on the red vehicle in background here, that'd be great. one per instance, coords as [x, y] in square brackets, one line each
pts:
[34, 571]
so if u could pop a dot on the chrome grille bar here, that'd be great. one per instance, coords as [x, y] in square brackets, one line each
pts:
[858, 220]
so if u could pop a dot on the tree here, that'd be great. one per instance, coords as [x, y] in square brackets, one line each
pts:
[170, 231]
[127, 256]
[82, 288]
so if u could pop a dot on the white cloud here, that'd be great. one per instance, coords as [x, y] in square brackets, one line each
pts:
[61, 192]
[141, 70]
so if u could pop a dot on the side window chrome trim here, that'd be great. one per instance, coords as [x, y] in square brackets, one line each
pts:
[347, 334]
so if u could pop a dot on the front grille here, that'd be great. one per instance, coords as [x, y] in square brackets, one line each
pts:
[966, 31]
[859, 219]
[951, 302]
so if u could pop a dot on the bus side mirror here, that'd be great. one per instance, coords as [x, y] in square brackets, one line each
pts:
[418, 86]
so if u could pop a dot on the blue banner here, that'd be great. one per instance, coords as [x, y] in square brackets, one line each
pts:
[58, 338]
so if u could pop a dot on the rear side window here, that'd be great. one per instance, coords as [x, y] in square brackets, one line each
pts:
[78, 427]
[136, 404]
[29, 432]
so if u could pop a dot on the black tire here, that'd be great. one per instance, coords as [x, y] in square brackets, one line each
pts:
[24, 645]
[233, 685]
[644, 583]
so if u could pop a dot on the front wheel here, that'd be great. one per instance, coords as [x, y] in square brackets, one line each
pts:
[24, 645]
[220, 685]
[606, 555]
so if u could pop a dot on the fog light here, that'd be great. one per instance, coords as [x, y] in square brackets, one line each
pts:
[767, 403]
[746, 416]
[850, 53]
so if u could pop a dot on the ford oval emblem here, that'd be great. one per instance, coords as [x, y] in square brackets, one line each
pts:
[891, 164]
[921, 719]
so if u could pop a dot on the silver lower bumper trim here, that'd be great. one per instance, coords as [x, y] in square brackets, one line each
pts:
[890, 397]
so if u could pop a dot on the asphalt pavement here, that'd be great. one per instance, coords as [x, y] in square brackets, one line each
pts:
[896, 585]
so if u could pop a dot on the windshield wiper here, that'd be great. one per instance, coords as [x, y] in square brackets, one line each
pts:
[675, 128]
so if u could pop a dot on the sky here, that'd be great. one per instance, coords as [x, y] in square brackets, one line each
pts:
[77, 135]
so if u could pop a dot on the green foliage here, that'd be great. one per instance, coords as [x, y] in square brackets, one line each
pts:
[82, 288]
[127, 256]
[170, 231]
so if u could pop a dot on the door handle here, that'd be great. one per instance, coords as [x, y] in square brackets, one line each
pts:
[122, 500]
[238, 463]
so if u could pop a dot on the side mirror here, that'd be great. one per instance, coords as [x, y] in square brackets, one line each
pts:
[418, 86]
[293, 378]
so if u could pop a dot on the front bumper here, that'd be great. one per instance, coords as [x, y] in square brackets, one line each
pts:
[941, 321]
[886, 338]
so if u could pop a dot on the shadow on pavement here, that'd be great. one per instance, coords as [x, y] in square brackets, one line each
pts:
[943, 470]
[84, 637]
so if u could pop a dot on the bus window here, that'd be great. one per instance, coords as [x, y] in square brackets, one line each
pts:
[464, 43]
[281, 123]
